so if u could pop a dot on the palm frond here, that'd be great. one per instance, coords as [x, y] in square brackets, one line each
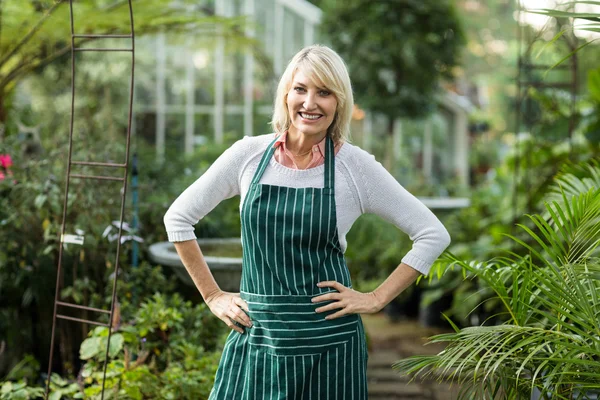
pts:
[551, 341]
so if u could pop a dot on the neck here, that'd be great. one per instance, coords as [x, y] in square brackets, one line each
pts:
[298, 142]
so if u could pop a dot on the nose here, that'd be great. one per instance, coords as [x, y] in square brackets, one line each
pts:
[309, 101]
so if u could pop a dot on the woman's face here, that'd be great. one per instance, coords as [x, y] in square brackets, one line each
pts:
[311, 108]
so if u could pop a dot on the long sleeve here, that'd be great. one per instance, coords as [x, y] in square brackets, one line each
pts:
[384, 196]
[219, 182]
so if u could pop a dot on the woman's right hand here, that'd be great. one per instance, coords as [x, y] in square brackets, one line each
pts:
[229, 308]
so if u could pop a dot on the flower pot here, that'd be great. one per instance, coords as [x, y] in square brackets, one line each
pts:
[226, 270]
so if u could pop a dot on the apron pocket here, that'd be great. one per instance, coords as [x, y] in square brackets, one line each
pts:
[296, 329]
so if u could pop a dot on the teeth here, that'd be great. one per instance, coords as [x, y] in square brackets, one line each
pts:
[308, 116]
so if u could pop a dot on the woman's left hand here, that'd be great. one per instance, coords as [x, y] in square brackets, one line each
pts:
[349, 300]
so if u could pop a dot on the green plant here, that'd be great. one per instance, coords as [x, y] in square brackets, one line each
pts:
[15, 387]
[168, 350]
[20, 391]
[549, 294]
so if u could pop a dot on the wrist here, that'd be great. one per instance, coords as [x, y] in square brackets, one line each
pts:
[212, 295]
[378, 302]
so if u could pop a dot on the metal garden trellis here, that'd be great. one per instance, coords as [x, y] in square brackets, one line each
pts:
[75, 239]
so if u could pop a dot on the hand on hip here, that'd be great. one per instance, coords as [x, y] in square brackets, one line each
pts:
[229, 308]
[349, 300]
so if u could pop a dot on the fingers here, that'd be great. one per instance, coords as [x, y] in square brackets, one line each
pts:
[233, 326]
[325, 297]
[242, 304]
[331, 306]
[334, 284]
[237, 315]
[338, 314]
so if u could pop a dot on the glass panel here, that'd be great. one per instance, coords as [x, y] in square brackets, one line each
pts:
[379, 137]
[234, 78]
[203, 128]
[175, 74]
[298, 33]
[204, 80]
[261, 124]
[443, 152]
[411, 164]
[207, 5]
[145, 71]
[233, 127]
[265, 84]
[175, 136]
[145, 126]
[237, 7]
[289, 49]
[265, 24]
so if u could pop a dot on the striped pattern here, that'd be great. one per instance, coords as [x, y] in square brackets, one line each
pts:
[290, 243]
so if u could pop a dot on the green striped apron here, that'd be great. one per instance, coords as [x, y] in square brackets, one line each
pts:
[290, 242]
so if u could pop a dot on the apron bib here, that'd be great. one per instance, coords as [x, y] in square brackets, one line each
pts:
[290, 243]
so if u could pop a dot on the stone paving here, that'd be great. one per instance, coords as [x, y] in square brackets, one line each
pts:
[391, 341]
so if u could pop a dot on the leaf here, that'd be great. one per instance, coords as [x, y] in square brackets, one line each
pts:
[58, 380]
[564, 14]
[6, 387]
[20, 394]
[40, 199]
[90, 347]
[116, 344]
[100, 331]
[549, 43]
[55, 395]
[452, 324]
[568, 56]
[594, 84]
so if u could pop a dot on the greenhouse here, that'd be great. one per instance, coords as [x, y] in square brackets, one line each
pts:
[299, 199]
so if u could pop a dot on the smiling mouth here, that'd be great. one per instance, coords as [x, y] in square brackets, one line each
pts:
[310, 117]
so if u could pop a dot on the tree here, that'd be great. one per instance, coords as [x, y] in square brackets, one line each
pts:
[397, 51]
[34, 33]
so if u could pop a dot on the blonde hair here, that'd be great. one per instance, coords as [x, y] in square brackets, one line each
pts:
[327, 69]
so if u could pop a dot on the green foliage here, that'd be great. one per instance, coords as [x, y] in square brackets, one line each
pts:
[396, 52]
[30, 217]
[168, 350]
[20, 391]
[549, 296]
[478, 232]
[23, 372]
[590, 115]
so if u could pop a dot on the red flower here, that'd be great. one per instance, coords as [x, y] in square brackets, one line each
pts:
[5, 161]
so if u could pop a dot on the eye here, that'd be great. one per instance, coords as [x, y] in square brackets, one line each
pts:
[298, 89]
[324, 92]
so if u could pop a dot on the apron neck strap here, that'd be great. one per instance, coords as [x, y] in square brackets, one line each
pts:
[329, 163]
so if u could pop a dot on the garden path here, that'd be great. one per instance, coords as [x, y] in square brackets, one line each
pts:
[391, 341]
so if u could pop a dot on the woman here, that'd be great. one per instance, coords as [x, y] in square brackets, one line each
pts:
[297, 331]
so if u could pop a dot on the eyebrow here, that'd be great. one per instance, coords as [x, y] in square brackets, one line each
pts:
[303, 85]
